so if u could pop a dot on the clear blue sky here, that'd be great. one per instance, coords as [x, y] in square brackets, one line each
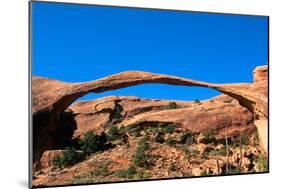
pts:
[77, 43]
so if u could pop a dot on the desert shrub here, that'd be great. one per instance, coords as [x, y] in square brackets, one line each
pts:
[70, 157]
[227, 101]
[131, 170]
[205, 173]
[141, 175]
[166, 127]
[101, 171]
[89, 144]
[221, 152]
[170, 141]
[129, 173]
[209, 136]
[197, 101]
[173, 105]
[114, 133]
[192, 151]
[121, 173]
[57, 162]
[172, 167]
[262, 163]
[139, 158]
[169, 128]
[135, 131]
[160, 137]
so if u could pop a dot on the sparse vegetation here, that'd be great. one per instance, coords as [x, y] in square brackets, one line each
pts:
[131, 173]
[167, 127]
[92, 143]
[209, 136]
[101, 171]
[197, 101]
[170, 141]
[160, 137]
[191, 151]
[128, 173]
[70, 157]
[219, 152]
[173, 105]
[262, 163]
[135, 131]
[139, 158]
[227, 101]
[113, 133]
[173, 167]
[205, 173]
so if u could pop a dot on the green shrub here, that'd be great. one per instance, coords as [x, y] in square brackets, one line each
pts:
[135, 131]
[209, 136]
[205, 173]
[114, 133]
[129, 173]
[222, 151]
[227, 101]
[101, 171]
[262, 163]
[192, 151]
[173, 167]
[170, 141]
[121, 173]
[70, 157]
[89, 144]
[141, 175]
[139, 158]
[166, 127]
[159, 138]
[169, 128]
[131, 170]
[197, 101]
[173, 105]
[57, 162]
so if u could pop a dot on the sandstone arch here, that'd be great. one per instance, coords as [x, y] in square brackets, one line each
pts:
[51, 97]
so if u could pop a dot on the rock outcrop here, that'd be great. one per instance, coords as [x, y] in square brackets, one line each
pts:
[260, 73]
[50, 99]
[222, 113]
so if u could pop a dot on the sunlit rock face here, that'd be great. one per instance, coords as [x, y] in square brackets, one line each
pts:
[260, 73]
[51, 100]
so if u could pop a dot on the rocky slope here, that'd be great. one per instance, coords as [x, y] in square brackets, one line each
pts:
[241, 111]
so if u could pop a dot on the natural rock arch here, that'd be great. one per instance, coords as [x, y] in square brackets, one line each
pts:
[51, 97]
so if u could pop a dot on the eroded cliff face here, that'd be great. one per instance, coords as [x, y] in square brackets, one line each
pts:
[51, 100]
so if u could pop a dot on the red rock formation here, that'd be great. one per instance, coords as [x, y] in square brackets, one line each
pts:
[50, 98]
[260, 73]
[223, 113]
